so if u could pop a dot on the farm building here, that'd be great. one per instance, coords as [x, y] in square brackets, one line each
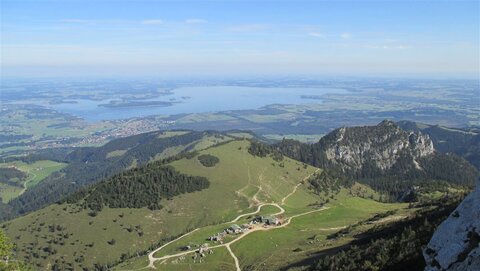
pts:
[269, 220]
[234, 229]
[217, 237]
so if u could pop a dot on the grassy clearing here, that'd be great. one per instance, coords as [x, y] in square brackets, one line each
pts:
[167, 134]
[201, 235]
[306, 234]
[237, 170]
[36, 172]
[9, 192]
[206, 142]
[116, 153]
[219, 260]
[88, 237]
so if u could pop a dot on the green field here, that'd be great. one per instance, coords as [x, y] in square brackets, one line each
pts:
[307, 232]
[36, 172]
[276, 248]
[219, 260]
[221, 202]
[65, 234]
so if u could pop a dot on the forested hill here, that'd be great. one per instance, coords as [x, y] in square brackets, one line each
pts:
[144, 186]
[463, 142]
[383, 156]
[89, 165]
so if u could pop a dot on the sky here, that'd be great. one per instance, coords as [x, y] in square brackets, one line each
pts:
[145, 38]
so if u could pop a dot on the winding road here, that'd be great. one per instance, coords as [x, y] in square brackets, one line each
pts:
[153, 259]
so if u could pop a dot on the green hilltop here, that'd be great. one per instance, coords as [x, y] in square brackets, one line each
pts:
[86, 166]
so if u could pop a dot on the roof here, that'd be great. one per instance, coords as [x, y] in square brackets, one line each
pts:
[235, 226]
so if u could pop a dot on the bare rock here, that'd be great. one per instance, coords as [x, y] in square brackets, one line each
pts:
[455, 244]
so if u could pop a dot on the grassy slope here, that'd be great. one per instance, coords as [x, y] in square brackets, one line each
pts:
[270, 250]
[306, 234]
[235, 189]
[237, 169]
[36, 172]
[236, 172]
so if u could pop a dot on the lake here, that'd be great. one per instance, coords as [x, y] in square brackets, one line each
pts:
[197, 100]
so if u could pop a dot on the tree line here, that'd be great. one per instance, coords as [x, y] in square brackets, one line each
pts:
[139, 187]
[89, 165]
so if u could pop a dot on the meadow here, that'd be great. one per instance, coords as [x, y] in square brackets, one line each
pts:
[36, 172]
[136, 230]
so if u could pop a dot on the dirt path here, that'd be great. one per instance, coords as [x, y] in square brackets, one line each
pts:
[27, 181]
[296, 186]
[237, 263]
[152, 259]
[291, 193]
[332, 228]
[258, 210]
[163, 259]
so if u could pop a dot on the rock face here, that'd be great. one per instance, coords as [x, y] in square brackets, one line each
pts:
[380, 146]
[380, 154]
[455, 244]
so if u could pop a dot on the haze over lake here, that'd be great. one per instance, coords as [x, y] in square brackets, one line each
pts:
[196, 100]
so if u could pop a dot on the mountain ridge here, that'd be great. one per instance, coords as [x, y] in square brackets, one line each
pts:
[383, 156]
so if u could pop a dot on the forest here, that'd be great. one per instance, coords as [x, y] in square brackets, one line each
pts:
[263, 150]
[208, 160]
[89, 165]
[11, 176]
[437, 170]
[139, 187]
[329, 180]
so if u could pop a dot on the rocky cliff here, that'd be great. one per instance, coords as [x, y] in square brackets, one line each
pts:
[455, 244]
[380, 146]
[383, 155]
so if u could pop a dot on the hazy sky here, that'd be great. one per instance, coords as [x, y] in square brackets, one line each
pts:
[113, 37]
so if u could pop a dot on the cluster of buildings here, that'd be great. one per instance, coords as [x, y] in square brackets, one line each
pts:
[198, 256]
[233, 229]
[266, 220]
[236, 229]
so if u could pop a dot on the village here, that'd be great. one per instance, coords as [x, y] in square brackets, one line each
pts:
[263, 221]
[234, 229]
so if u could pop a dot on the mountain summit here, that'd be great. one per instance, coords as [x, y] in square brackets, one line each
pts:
[381, 146]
